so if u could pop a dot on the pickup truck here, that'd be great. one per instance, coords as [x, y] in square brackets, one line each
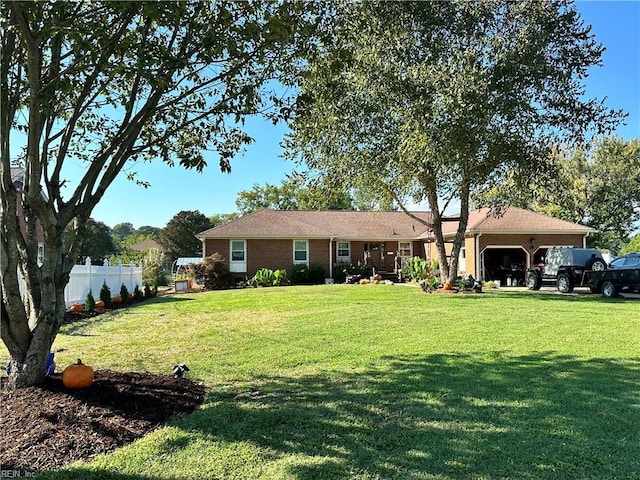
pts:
[623, 274]
[565, 268]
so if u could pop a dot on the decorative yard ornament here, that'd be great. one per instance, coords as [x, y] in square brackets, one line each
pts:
[179, 370]
[77, 375]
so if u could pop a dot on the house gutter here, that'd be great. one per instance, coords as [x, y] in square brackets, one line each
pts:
[331, 257]
[478, 256]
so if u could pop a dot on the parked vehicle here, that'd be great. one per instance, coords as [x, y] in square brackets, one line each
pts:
[565, 267]
[629, 260]
[623, 274]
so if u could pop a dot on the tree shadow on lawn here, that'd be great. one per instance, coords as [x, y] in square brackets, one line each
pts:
[87, 473]
[450, 416]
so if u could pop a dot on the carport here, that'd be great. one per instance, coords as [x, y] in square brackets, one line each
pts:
[505, 263]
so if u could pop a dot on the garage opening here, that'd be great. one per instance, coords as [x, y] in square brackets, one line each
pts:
[505, 264]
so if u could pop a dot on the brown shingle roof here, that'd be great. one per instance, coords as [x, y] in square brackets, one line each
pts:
[350, 225]
[515, 220]
[345, 225]
[146, 245]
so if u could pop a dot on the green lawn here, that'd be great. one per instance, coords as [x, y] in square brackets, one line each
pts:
[379, 382]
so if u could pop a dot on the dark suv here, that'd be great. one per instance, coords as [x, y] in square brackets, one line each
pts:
[565, 267]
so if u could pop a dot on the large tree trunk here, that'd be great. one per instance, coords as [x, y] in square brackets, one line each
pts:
[32, 319]
[436, 226]
[458, 241]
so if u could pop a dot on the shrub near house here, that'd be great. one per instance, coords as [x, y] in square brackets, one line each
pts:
[211, 273]
[269, 278]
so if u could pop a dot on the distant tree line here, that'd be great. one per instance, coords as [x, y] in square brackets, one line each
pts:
[176, 239]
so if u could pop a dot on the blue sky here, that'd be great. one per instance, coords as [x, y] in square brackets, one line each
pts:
[616, 25]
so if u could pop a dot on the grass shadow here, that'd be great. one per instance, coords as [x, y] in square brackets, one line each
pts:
[449, 416]
[550, 296]
[82, 472]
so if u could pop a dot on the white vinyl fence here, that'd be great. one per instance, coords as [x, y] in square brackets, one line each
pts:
[87, 276]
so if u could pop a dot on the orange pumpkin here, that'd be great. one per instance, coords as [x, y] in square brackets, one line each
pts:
[117, 299]
[76, 307]
[99, 304]
[130, 297]
[77, 375]
[447, 285]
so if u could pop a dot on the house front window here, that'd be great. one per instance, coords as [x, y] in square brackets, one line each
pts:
[300, 251]
[344, 252]
[404, 249]
[238, 261]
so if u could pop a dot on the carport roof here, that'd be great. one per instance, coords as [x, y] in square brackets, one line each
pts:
[515, 220]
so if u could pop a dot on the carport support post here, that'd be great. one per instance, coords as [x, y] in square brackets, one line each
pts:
[478, 254]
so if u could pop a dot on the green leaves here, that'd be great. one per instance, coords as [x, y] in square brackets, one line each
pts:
[598, 187]
[179, 235]
[434, 100]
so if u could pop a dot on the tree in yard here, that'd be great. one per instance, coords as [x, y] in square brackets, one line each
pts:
[97, 242]
[598, 187]
[222, 218]
[106, 84]
[435, 100]
[633, 245]
[280, 197]
[294, 193]
[147, 231]
[122, 230]
[154, 273]
[179, 236]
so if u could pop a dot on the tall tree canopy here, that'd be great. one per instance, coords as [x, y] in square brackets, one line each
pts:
[97, 242]
[434, 100]
[293, 194]
[597, 186]
[105, 84]
[179, 236]
[122, 230]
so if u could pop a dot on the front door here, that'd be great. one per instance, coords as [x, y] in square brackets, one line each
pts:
[373, 254]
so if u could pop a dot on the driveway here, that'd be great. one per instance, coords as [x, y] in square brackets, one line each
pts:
[576, 291]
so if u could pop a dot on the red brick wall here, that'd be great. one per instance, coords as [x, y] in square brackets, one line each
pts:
[272, 253]
[214, 245]
[275, 254]
[319, 254]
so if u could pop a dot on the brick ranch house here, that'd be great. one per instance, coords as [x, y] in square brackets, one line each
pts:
[496, 248]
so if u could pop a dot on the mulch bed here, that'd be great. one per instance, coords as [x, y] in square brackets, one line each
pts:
[50, 426]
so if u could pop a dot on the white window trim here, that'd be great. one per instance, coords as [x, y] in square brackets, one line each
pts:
[301, 262]
[410, 250]
[237, 265]
[343, 258]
